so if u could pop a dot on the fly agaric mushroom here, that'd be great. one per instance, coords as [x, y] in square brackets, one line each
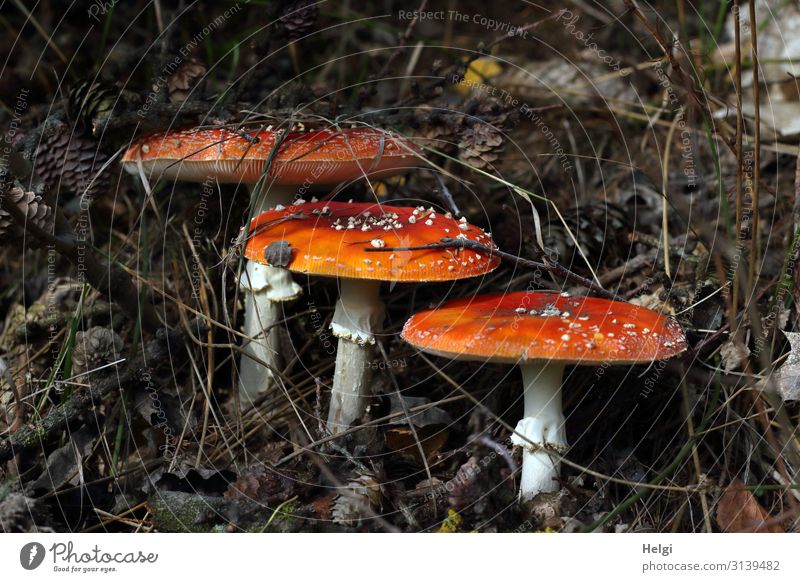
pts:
[331, 239]
[542, 333]
[327, 156]
[298, 162]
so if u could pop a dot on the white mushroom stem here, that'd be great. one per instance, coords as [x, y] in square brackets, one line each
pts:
[265, 288]
[543, 424]
[358, 317]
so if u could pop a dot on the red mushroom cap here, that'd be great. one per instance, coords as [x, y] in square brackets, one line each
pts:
[330, 238]
[525, 326]
[318, 157]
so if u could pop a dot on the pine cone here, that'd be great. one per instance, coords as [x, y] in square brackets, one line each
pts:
[361, 494]
[439, 136]
[480, 145]
[69, 162]
[91, 101]
[438, 129]
[94, 348]
[299, 18]
[181, 82]
[491, 111]
[31, 205]
[24, 351]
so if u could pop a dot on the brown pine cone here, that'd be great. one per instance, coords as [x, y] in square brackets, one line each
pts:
[185, 77]
[491, 111]
[94, 348]
[438, 129]
[362, 493]
[31, 205]
[480, 145]
[69, 162]
[91, 101]
[298, 18]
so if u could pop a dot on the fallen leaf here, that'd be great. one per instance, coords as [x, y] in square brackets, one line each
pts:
[64, 464]
[431, 438]
[422, 418]
[189, 479]
[734, 355]
[787, 377]
[778, 39]
[263, 485]
[738, 511]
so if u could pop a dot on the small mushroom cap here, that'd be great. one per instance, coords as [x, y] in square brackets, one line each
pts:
[526, 326]
[330, 238]
[318, 157]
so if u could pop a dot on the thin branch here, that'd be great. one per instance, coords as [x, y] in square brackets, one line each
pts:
[32, 435]
[547, 263]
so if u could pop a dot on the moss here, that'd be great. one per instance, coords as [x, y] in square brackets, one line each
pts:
[186, 512]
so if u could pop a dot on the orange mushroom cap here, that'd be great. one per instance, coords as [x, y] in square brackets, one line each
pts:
[526, 326]
[327, 156]
[330, 238]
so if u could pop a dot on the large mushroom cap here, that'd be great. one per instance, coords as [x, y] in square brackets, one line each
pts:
[331, 238]
[525, 326]
[317, 157]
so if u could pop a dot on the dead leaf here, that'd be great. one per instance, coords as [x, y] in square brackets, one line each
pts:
[264, 485]
[422, 418]
[181, 82]
[787, 377]
[431, 438]
[778, 40]
[734, 355]
[738, 511]
[189, 479]
[64, 465]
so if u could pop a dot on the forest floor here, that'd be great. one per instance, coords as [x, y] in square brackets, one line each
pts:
[645, 149]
